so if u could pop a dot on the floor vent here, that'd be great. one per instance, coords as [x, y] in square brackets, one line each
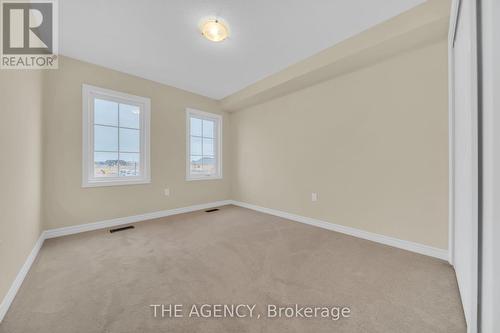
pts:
[212, 210]
[121, 229]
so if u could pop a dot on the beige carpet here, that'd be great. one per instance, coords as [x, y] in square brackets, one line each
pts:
[102, 282]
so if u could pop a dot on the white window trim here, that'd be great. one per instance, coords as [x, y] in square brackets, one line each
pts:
[88, 179]
[218, 145]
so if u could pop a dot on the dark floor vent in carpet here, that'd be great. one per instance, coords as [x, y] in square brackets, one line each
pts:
[121, 229]
[212, 210]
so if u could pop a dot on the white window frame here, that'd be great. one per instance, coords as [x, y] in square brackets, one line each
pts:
[89, 93]
[217, 146]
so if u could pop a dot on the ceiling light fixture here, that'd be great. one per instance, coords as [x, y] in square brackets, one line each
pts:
[214, 30]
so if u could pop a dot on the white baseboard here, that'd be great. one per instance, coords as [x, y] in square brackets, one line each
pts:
[52, 233]
[18, 281]
[395, 242]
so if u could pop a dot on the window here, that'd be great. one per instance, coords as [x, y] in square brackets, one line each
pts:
[204, 145]
[115, 138]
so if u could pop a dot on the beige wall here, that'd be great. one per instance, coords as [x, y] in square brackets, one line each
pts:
[372, 144]
[20, 170]
[66, 203]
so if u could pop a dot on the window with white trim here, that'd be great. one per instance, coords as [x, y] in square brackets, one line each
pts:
[204, 137]
[115, 138]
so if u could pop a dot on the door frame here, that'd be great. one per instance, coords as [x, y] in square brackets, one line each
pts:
[472, 319]
[490, 84]
[455, 6]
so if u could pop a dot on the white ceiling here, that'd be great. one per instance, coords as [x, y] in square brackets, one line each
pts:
[159, 39]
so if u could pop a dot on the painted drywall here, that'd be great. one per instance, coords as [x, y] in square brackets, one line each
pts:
[373, 144]
[423, 24]
[20, 170]
[66, 203]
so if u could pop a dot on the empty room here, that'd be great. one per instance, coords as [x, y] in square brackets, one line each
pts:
[249, 166]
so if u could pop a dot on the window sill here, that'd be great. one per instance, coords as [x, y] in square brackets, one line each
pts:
[189, 179]
[116, 183]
